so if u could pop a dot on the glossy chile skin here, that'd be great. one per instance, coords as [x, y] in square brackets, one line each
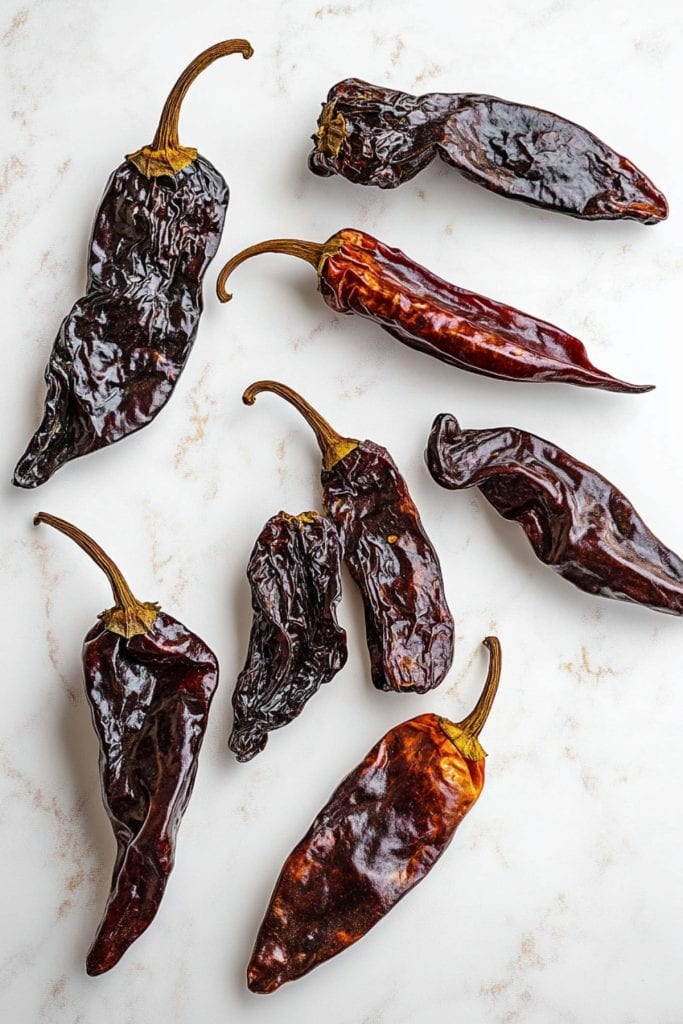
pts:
[296, 643]
[576, 521]
[376, 136]
[380, 833]
[120, 351]
[149, 693]
[409, 626]
[359, 274]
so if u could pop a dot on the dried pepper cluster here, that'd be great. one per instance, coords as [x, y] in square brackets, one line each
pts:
[409, 627]
[150, 681]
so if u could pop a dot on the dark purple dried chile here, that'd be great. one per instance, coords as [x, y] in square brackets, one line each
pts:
[376, 136]
[577, 522]
[120, 351]
[409, 627]
[149, 682]
[296, 643]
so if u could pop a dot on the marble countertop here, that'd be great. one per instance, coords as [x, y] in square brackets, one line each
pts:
[561, 898]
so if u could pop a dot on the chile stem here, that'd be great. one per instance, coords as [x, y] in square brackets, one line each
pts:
[167, 132]
[465, 734]
[129, 617]
[475, 721]
[312, 252]
[332, 445]
[166, 157]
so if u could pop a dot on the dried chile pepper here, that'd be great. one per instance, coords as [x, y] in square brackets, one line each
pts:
[296, 643]
[380, 833]
[376, 136]
[120, 351]
[358, 274]
[576, 521]
[149, 682]
[409, 627]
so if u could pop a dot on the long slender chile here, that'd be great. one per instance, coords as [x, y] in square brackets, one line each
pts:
[576, 521]
[359, 274]
[380, 833]
[149, 682]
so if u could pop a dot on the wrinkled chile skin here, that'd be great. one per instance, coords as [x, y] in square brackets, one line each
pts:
[519, 152]
[380, 833]
[389, 136]
[577, 522]
[121, 349]
[149, 698]
[296, 643]
[533, 155]
[363, 275]
[409, 627]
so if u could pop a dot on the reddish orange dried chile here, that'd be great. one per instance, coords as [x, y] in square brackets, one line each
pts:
[380, 833]
[359, 274]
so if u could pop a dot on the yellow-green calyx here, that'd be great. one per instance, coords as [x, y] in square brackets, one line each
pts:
[165, 156]
[129, 617]
[156, 163]
[130, 622]
[331, 130]
[333, 446]
[465, 735]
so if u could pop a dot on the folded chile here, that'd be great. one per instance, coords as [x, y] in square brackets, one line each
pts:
[377, 136]
[149, 682]
[380, 833]
[296, 643]
[409, 627]
[577, 522]
[120, 351]
[359, 274]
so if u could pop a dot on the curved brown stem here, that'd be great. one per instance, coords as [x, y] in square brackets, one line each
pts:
[312, 252]
[475, 721]
[332, 445]
[166, 136]
[166, 157]
[465, 734]
[129, 617]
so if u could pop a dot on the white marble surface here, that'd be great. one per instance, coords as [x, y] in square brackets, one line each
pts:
[561, 898]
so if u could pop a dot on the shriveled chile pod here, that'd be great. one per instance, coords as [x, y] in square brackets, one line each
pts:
[376, 136]
[576, 521]
[120, 351]
[409, 627]
[296, 644]
[149, 682]
[379, 834]
[359, 274]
